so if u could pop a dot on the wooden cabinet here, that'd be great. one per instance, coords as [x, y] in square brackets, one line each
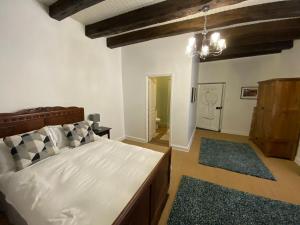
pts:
[275, 127]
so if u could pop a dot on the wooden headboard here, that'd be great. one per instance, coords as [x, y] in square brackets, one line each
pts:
[33, 119]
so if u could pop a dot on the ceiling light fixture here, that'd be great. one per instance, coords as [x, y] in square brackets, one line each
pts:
[213, 46]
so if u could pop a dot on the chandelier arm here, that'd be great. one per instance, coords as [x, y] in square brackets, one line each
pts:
[205, 24]
[207, 47]
[216, 53]
[204, 32]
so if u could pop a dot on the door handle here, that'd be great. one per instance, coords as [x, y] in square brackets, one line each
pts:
[220, 107]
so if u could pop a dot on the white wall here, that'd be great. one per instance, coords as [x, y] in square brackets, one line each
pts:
[193, 106]
[163, 56]
[44, 62]
[297, 159]
[236, 73]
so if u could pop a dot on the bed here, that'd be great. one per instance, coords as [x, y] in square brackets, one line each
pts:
[119, 190]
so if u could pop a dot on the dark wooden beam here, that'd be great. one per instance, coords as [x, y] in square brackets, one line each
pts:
[241, 55]
[276, 10]
[62, 9]
[251, 50]
[269, 46]
[275, 31]
[153, 14]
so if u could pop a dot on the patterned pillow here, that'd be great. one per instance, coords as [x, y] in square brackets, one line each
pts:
[79, 133]
[30, 148]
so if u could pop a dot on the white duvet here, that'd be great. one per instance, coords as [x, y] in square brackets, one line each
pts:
[88, 185]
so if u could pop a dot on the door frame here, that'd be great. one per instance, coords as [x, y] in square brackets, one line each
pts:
[155, 75]
[222, 101]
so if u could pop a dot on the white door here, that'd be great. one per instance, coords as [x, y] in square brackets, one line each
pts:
[152, 107]
[209, 106]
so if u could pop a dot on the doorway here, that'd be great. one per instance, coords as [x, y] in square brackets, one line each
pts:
[210, 106]
[159, 105]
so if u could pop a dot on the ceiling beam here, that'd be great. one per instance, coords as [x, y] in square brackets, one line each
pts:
[241, 55]
[153, 14]
[251, 50]
[276, 10]
[275, 31]
[62, 9]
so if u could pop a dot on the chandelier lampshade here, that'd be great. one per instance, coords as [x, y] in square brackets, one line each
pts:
[212, 46]
[214, 38]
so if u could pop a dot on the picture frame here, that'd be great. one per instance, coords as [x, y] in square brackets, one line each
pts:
[194, 95]
[249, 93]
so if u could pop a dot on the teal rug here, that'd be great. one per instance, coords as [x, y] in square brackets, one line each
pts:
[202, 203]
[237, 157]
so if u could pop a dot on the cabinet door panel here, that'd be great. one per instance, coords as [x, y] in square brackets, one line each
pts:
[276, 127]
[285, 126]
[268, 98]
[263, 98]
[253, 129]
[260, 134]
[287, 96]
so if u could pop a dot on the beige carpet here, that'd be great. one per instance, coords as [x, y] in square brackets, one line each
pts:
[287, 173]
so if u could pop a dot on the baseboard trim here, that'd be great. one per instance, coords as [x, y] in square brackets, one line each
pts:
[121, 138]
[131, 138]
[191, 139]
[180, 148]
[187, 147]
[241, 133]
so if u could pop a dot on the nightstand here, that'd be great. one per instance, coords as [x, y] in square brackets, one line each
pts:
[101, 131]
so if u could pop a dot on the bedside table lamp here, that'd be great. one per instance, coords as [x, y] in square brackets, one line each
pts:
[95, 118]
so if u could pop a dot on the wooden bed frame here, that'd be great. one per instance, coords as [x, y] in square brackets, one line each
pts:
[144, 208]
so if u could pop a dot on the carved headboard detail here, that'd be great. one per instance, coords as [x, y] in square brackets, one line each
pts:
[33, 119]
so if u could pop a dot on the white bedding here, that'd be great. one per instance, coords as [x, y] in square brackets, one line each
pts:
[88, 185]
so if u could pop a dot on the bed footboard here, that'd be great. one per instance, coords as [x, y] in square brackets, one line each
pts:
[146, 206]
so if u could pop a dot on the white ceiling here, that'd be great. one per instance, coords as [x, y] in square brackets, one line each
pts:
[110, 8]
[106, 9]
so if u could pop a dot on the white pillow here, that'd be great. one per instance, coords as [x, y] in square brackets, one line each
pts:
[58, 136]
[7, 162]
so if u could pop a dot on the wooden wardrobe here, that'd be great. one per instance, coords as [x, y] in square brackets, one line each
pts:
[275, 127]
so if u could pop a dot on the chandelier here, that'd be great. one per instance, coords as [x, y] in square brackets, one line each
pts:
[212, 46]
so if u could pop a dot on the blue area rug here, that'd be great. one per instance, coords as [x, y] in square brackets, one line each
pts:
[202, 203]
[237, 157]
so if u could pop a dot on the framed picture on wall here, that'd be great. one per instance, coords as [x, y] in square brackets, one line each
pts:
[194, 95]
[249, 92]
